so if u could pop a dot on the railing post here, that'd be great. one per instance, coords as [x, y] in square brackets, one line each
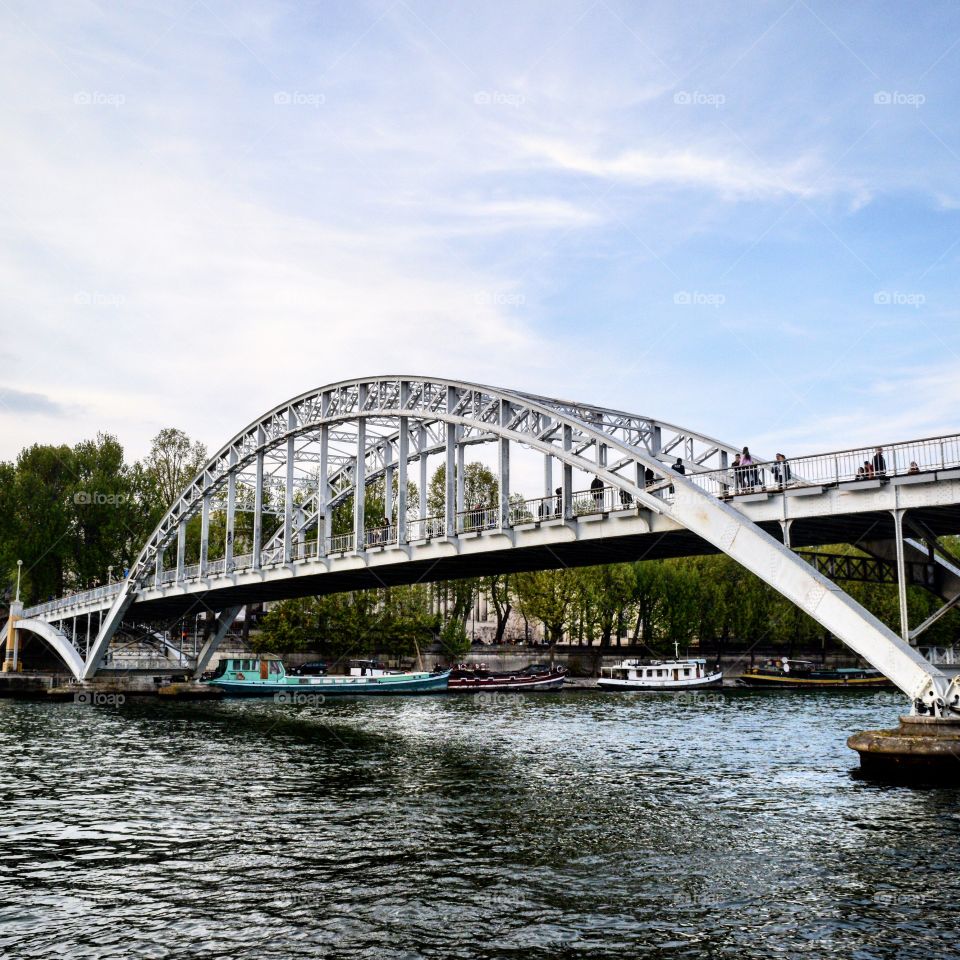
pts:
[360, 474]
[836, 471]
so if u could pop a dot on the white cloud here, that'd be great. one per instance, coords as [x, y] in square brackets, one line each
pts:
[731, 177]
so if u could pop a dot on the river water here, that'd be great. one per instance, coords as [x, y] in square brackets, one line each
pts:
[723, 824]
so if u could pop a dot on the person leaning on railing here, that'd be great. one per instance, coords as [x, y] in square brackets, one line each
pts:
[781, 471]
[879, 464]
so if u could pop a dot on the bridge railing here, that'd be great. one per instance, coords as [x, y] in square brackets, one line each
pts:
[477, 519]
[75, 599]
[426, 528]
[856, 465]
[913, 457]
[380, 536]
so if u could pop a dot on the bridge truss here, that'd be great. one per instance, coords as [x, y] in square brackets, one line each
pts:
[263, 509]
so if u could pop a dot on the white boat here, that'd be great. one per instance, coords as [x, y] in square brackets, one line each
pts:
[677, 674]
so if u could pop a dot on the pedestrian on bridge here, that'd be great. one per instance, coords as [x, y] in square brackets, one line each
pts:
[750, 476]
[879, 464]
[596, 487]
[781, 471]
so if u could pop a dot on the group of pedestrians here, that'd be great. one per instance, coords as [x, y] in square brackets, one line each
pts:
[875, 468]
[748, 475]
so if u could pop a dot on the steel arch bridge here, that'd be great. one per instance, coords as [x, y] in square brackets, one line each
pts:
[307, 457]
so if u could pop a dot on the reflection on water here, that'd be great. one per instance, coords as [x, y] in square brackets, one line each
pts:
[581, 825]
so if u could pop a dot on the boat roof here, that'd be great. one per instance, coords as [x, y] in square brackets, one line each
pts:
[661, 663]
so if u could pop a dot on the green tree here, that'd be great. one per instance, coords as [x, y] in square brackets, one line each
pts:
[173, 461]
[547, 596]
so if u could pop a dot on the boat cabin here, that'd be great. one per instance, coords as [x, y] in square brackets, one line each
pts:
[250, 668]
[656, 671]
[367, 668]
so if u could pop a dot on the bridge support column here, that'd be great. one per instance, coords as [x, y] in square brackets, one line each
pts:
[108, 628]
[422, 440]
[461, 466]
[181, 548]
[11, 662]
[359, 477]
[547, 475]
[503, 464]
[288, 489]
[224, 622]
[785, 528]
[231, 519]
[403, 458]
[450, 489]
[901, 576]
[567, 511]
[204, 535]
[324, 520]
[388, 470]
[258, 503]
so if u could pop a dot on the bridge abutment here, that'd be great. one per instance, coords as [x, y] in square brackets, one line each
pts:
[922, 749]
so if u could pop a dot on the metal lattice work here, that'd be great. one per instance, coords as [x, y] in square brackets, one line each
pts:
[295, 465]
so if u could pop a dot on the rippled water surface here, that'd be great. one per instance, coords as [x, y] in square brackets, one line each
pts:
[552, 825]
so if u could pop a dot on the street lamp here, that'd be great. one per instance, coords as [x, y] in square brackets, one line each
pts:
[109, 575]
[19, 567]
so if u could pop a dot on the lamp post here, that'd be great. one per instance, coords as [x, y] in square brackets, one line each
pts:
[109, 575]
[13, 635]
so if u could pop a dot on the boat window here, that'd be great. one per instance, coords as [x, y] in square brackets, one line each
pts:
[686, 672]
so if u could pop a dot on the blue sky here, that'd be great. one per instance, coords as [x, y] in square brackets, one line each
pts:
[744, 217]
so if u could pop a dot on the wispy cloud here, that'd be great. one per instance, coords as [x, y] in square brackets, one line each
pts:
[22, 402]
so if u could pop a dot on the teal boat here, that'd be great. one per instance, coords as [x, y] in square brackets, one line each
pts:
[267, 676]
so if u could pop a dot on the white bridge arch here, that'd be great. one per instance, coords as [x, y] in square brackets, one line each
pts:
[315, 450]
